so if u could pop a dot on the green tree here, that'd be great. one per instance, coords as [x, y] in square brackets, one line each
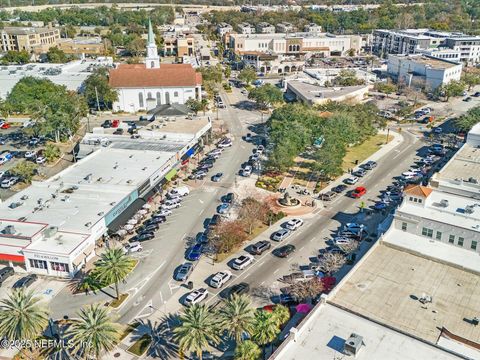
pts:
[97, 85]
[198, 328]
[21, 316]
[135, 46]
[471, 79]
[228, 72]
[69, 31]
[281, 315]
[265, 329]
[57, 56]
[453, 88]
[112, 267]
[93, 332]
[194, 105]
[467, 121]
[237, 316]
[25, 170]
[247, 75]
[15, 57]
[347, 78]
[247, 350]
[51, 152]
[266, 95]
[386, 88]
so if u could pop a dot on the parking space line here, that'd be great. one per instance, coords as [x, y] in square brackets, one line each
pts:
[276, 271]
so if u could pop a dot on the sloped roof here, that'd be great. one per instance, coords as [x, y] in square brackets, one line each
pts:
[170, 110]
[418, 190]
[167, 75]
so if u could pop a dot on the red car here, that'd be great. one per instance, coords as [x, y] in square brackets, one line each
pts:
[359, 192]
[5, 125]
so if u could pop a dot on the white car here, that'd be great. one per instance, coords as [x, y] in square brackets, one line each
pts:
[220, 279]
[163, 212]
[281, 234]
[355, 227]
[242, 262]
[411, 172]
[351, 180]
[215, 152]
[224, 144]
[30, 154]
[342, 241]
[132, 247]
[196, 296]
[293, 224]
[41, 160]
[7, 183]
[169, 206]
[181, 190]
[176, 200]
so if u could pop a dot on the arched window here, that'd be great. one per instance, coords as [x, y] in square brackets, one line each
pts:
[149, 96]
[140, 100]
[167, 98]
[175, 94]
[152, 64]
[159, 98]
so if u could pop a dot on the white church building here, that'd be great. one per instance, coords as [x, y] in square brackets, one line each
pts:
[142, 87]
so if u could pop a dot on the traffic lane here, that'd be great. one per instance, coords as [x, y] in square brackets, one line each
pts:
[267, 268]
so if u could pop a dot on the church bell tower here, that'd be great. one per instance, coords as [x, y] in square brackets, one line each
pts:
[152, 61]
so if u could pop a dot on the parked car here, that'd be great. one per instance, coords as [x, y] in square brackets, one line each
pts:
[41, 160]
[25, 281]
[184, 271]
[246, 172]
[30, 154]
[339, 188]
[342, 241]
[4, 125]
[163, 212]
[144, 236]
[170, 206]
[359, 172]
[328, 196]
[155, 220]
[437, 130]
[237, 289]
[196, 297]
[380, 205]
[9, 182]
[293, 224]
[107, 124]
[194, 252]
[359, 192]
[198, 175]
[132, 247]
[369, 165]
[260, 247]
[5, 157]
[217, 177]
[226, 142]
[5, 273]
[214, 152]
[284, 251]
[351, 180]
[242, 262]
[223, 208]
[228, 198]
[248, 137]
[214, 221]
[220, 279]
[281, 234]
[477, 94]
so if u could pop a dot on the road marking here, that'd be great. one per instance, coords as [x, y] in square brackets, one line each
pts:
[263, 282]
[201, 201]
[303, 247]
[276, 271]
[260, 264]
[201, 211]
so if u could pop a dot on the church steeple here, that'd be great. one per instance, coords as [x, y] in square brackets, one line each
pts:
[152, 61]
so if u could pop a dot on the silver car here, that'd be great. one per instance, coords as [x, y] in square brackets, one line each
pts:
[281, 234]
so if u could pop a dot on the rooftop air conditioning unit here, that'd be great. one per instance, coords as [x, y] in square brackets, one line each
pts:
[9, 230]
[444, 203]
[50, 231]
[469, 209]
[353, 344]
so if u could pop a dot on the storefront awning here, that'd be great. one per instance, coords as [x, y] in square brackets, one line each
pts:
[14, 258]
[171, 174]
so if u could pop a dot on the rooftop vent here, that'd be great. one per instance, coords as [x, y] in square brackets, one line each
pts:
[9, 230]
[353, 344]
[469, 209]
[88, 177]
[472, 180]
[101, 213]
[14, 205]
[88, 224]
[23, 218]
[24, 197]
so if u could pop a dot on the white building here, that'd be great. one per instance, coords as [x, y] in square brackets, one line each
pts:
[469, 47]
[313, 94]
[52, 227]
[313, 28]
[441, 53]
[246, 28]
[142, 87]
[423, 71]
[265, 28]
[285, 27]
[224, 28]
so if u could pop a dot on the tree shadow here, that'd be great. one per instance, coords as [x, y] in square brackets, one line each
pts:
[163, 345]
[262, 293]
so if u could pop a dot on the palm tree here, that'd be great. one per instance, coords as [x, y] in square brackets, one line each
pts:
[112, 267]
[247, 350]
[92, 333]
[281, 314]
[265, 329]
[237, 317]
[21, 317]
[197, 328]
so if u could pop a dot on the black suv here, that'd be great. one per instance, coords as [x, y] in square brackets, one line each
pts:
[260, 247]
[228, 198]
[5, 273]
[238, 289]
[25, 281]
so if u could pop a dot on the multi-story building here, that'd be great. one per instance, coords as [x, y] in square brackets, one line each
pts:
[28, 38]
[423, 71]
[224, 28]
[441, 53]
[313, 28]
[285, 27]
[469, 47]
[265, 28]
[85, 45]
[246, 28]
[295, 43]
[179, 45]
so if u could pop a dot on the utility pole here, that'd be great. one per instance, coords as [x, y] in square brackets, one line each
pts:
[388, 134]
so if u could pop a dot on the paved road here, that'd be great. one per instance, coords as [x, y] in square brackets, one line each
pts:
[149, 283]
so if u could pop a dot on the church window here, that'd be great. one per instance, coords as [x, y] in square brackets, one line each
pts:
[140, 100]
[175, 93]
[159, 98]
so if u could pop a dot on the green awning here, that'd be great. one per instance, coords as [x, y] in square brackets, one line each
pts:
[171, 174]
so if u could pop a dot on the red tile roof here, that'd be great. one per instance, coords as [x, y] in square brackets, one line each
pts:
[168, 75]
[418, 190]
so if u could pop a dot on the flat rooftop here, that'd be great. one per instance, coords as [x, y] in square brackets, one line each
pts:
[435, 63]
[314, 92]
[61, 243]
[464, 165]
[387, 285]
[329, 327]
[180, 125]
[72, 74]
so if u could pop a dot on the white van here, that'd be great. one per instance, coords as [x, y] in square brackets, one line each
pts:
[182, 191]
